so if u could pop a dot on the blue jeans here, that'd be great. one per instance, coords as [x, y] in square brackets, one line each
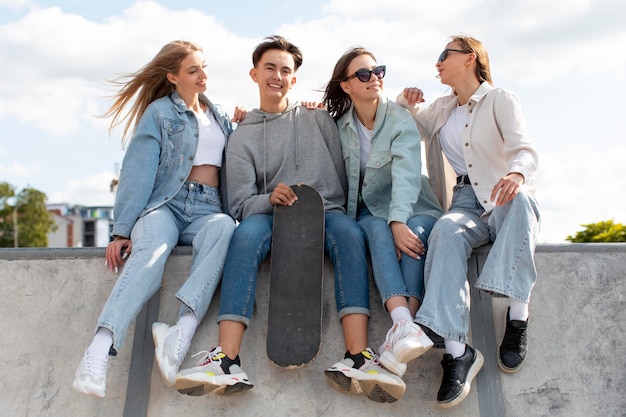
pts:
[508, 271]
[393, 278]
[193, 217]
[343, 242]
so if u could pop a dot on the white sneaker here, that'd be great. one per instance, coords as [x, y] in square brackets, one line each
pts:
[405, 341]
[91, 375]
[364, 374]
[169, 350]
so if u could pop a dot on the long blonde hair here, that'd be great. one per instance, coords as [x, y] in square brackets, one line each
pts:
[146, 85]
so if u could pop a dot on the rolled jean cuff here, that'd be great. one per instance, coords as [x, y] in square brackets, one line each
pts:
[234, 317]
[354, 310]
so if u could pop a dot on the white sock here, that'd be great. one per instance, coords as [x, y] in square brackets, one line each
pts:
[401, 313]
[518, 310]
[101, 343]
[454, 348]
[189, 323]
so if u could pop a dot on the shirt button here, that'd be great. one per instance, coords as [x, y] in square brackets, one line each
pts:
[466, 125]
[466, 143]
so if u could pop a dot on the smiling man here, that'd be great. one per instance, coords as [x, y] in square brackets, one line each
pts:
[279, 144]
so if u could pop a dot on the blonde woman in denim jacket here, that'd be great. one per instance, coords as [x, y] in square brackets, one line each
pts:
[481, 161]
[387, 194]
[168, 194]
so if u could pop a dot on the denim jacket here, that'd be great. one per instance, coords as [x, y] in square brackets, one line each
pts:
[159, 158]
[393, 186]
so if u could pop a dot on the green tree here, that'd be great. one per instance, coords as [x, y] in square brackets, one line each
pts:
[606, 231]
[25, 211]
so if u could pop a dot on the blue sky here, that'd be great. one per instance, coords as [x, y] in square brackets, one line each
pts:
[565, 59]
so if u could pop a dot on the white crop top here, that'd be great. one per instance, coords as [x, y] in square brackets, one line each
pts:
[211, 140]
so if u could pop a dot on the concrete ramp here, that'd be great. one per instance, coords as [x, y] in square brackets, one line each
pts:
[52, 298]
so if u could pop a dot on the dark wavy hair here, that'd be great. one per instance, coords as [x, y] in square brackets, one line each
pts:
[336, 101]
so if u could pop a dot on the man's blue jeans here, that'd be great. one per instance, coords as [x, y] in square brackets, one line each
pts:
[344, 242]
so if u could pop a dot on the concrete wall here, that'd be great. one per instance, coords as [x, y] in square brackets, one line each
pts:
[52, 298]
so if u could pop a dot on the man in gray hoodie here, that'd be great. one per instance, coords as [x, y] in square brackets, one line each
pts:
[278, 144]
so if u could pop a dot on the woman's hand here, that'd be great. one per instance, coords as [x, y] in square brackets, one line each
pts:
[117, 251]
[313, 105]
[406, 241]
[507, 188]
[413, 95]
[283, 195]
[239, 114]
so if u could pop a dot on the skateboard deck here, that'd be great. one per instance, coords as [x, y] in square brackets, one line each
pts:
[296, 269]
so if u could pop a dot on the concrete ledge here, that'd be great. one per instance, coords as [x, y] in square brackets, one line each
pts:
[52, 298]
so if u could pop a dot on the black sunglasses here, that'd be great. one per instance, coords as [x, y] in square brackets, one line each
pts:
[364, 75]
[444, 54]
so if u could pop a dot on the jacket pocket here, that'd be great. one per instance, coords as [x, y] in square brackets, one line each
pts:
[172, 135]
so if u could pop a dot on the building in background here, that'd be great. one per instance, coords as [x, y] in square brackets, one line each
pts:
[80, 226]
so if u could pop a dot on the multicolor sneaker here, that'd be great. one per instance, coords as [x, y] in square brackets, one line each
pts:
[91, 375]
[215, 373]
[514, 346]
[362, 373]
[457, 376]
[170, 350]
[405, 341]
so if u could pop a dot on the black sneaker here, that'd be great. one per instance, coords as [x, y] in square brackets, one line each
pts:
[457, 376]
[514, 346]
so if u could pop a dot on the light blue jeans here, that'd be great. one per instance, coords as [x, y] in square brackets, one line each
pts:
[508, 271]
[193, 217]
[393, 278]
[343, 242]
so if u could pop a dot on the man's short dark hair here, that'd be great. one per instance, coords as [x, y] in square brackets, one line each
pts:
[280, 43]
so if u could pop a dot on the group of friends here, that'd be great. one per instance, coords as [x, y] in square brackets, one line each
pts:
[190, 178]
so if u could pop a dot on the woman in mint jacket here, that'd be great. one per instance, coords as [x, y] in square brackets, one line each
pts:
[387, 194]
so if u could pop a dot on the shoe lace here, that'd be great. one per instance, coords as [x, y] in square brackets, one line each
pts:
[513, 338]
[215, 355]
[451, 374]
[96, 366]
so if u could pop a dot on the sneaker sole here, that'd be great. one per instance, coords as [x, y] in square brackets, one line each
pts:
[196, 387]
[471, 374]
[83, 389]
[197, 390]
[409, 353]
[375, 390]
[392, 364]
[158, 336]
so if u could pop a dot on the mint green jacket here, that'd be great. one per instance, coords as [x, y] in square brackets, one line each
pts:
[393, 186]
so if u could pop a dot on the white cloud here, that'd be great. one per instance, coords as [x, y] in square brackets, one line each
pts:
[20, 170]
[90, 191]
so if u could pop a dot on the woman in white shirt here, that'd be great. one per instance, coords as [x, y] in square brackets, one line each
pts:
[481, 163]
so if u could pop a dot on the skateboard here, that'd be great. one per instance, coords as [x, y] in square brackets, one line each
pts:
[296, 270]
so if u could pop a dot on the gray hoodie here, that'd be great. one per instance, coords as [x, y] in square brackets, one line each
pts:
[295, 146]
